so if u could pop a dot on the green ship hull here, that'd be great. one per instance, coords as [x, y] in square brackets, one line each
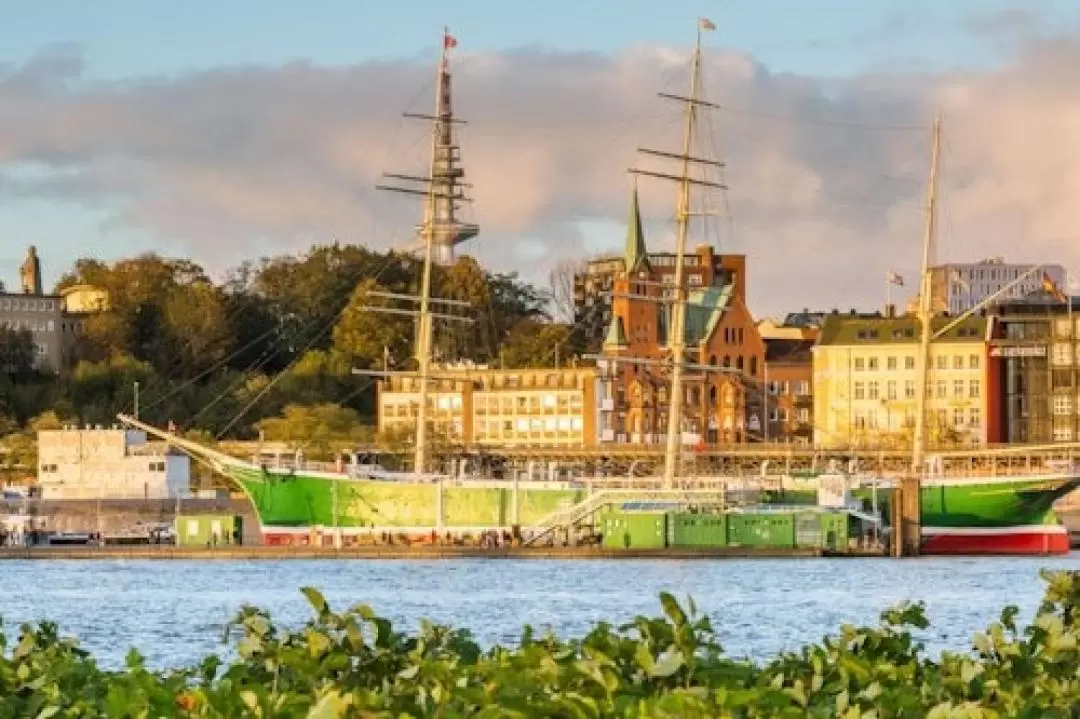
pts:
[285, 501]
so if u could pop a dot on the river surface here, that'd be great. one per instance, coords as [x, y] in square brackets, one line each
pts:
[174, 611]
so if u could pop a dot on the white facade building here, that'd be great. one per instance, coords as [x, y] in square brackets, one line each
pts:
[957, 287]
[109, 464]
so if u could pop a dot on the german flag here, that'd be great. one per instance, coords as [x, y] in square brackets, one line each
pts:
[1051, 288]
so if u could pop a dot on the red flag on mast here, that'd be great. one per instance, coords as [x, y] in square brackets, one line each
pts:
[449, 41]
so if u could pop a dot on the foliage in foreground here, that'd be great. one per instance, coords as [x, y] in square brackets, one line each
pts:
[355, 664]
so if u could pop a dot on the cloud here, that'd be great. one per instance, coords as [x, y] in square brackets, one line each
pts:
[826, 176]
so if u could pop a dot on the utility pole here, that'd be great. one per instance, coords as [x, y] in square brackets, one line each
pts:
[677, 338]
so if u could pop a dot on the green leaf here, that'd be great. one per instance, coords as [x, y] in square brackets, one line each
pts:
[316, 599]
[672, 609]
[667, 665]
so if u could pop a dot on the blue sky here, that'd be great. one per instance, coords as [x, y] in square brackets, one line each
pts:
[133, 39]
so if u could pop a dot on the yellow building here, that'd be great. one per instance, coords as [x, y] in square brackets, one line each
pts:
[79, 299]
[490, 407]
[865, 382]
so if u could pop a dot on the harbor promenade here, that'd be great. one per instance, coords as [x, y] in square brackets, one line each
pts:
[240, 553]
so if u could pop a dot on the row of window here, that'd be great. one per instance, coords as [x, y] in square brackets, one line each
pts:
[941, 362]
[802, 388]
[10, 304]
[781, 415]
[872, 390]
[969, 419]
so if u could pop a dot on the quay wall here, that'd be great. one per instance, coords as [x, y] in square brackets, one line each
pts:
[111, 516]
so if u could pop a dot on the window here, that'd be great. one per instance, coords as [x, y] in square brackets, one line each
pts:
[804, 415]
[890, 363]
[942, 362]
[940, 385]
[860, 390]
[958, 362]
[860, 420]
[859, 364]
[890, 389]
[1061, 327]
[872, 364]
[802, 388]
[909, 389]
[909, 363]
[1063, 434]
[974, 417]
[973, 361]
[973, 389]
[1062, 353]
[872, 390]
[958, 416]
[958, 388]
[1062, 404]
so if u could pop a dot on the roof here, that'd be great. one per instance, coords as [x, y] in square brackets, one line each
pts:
[854, 330]
[616, 335]
[704, 310]
[636, 253]
[788, 350]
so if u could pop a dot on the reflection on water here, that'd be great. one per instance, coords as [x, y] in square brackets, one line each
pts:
[174, 611]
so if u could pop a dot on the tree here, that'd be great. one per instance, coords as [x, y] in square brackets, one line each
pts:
[561, 288]
[319, 430]
[365, 335]
[18, 354]
[538, 344]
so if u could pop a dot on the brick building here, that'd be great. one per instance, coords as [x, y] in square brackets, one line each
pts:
[789, 378]
[719, 407]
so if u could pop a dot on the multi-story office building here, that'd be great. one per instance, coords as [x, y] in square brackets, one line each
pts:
[865, 382]
[472, 405]
[1033, 374]
[958, 287]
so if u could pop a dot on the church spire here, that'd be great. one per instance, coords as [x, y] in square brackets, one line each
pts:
[636, 253]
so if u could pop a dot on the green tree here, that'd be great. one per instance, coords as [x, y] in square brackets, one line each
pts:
[319, 431]
[538, 344]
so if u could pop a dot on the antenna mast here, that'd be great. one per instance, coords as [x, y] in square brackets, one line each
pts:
[683, 214]
[439, 232]
[925, 305]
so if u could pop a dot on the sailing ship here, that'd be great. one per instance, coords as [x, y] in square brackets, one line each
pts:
[959, 514]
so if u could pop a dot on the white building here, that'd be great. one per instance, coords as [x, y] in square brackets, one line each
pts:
[957, 287]
[114, 463]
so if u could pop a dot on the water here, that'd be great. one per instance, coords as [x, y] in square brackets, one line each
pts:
[174, 611]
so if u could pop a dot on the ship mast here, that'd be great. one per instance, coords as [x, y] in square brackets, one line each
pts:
[439, 232]
[925, 312]
[677, 340]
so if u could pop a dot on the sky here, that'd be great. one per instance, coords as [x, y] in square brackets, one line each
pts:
[230, 131]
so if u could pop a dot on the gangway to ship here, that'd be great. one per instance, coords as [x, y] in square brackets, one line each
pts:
[568, 518]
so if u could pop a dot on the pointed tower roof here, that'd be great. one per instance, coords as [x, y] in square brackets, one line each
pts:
[616, 336]
[636, 253]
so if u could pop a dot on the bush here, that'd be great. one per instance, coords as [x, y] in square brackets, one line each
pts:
[355, 664]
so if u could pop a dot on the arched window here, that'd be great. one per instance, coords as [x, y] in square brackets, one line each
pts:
[712, 360]
[753, 366]
[739, 363]
[727, 361]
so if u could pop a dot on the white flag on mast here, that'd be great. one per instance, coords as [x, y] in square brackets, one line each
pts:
[705, 23]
